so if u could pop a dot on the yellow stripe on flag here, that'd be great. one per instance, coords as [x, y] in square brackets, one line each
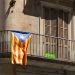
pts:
[12, 44]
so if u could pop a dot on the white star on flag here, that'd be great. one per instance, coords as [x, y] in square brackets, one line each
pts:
[22, 37]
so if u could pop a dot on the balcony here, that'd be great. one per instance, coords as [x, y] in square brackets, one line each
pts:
[41, 47]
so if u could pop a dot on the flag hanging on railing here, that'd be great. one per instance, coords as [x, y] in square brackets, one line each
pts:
[19, 47]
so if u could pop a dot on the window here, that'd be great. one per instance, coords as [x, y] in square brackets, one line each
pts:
[56, 22]
[56, 25]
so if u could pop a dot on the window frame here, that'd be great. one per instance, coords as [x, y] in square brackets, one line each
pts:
[56, 6]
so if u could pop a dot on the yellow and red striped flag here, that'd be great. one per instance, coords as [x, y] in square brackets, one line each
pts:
[19, 47]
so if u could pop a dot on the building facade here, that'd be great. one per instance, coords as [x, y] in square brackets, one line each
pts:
[51, 22]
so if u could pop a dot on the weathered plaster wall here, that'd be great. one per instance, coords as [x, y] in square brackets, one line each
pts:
[23, 16]
[15, 19]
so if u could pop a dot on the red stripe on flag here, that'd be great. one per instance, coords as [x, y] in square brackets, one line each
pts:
[26, 43]
[19, 45]
[14, 50]
[24, 57]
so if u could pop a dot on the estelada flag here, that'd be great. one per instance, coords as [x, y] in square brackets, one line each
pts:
[19, 47]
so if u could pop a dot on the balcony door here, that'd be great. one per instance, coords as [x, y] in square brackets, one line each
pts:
[56, 26]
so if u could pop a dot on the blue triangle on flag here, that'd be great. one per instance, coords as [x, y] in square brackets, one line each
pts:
[22, 36]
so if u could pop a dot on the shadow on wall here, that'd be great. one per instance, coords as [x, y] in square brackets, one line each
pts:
[2, 14]
[31, 7]
[11, 4]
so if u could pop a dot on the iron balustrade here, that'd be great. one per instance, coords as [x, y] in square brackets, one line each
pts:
[41, 46]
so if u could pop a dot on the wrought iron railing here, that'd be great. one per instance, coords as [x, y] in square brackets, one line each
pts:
[41, 46]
